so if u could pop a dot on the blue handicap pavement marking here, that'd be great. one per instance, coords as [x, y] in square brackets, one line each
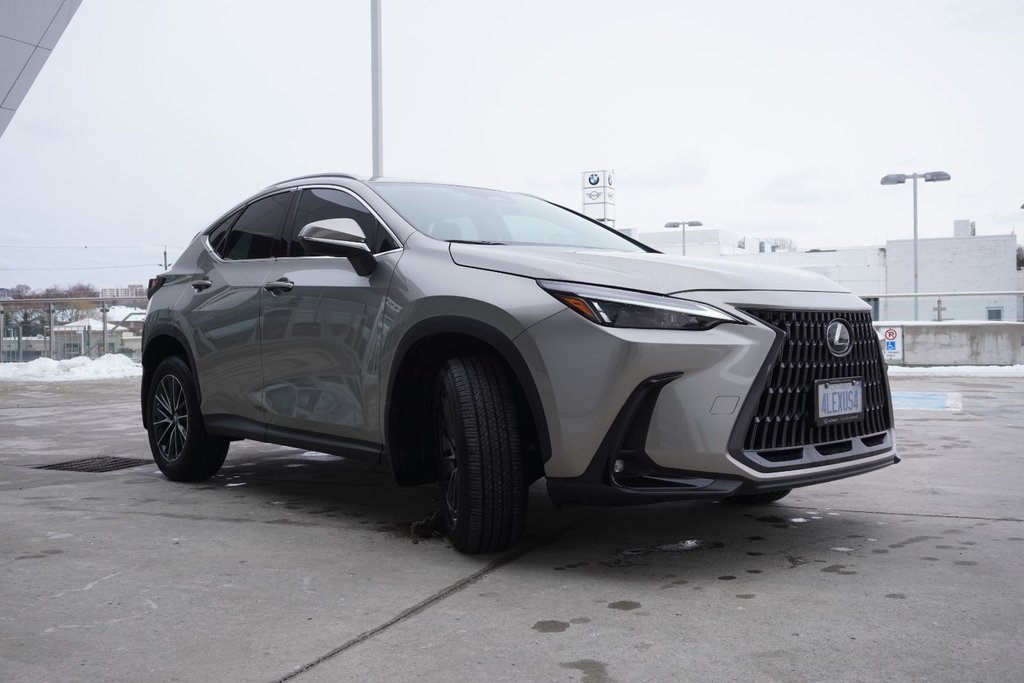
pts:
[927, 400]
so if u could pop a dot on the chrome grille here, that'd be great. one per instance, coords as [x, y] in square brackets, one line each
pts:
[784, 417]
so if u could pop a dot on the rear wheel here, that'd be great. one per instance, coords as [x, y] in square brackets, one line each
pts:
[759, 498]
[480, 459]
[181, 447]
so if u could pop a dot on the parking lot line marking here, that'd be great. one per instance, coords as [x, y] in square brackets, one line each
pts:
[927, 400]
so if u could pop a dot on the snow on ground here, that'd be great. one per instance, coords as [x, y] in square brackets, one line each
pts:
[115, 366]
[959, 371]
[111, 366]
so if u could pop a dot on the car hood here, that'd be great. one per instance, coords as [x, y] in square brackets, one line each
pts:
[655, 273]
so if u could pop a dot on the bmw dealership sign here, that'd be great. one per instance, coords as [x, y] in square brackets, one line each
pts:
[598, 196]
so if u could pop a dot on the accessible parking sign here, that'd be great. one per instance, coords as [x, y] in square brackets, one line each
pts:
[892, 344]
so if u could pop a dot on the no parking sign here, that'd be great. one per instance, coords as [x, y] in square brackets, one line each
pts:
[892, 344]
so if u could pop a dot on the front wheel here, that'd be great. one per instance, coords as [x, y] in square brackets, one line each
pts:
[181, 447]
[480, 459]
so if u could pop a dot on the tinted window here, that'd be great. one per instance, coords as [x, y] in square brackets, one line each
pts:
[319, 204]
[255, 233]
[448, 212]
[217, 233]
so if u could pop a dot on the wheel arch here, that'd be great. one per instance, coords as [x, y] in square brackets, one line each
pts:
[161, 344]
[420, 354]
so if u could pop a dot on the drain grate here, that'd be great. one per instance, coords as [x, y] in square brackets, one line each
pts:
[100, 464]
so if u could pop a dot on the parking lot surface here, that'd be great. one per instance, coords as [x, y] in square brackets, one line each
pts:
[290, 565]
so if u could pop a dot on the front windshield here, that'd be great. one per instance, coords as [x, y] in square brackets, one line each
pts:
[469, 214]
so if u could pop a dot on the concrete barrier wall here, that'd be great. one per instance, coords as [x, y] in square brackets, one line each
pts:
[960, 343]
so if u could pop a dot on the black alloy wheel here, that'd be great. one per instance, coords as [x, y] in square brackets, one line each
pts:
[449, 470]
[178, 439]
[170, 418]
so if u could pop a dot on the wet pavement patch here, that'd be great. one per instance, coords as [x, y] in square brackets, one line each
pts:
[633, 556]
[623, 605]
[915, 539]
[42, 554]
[796, 561]
[776, 521]
[574, 565]
[593, 670]
[551, 626]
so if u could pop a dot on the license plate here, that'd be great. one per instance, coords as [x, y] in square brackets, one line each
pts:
[839, 400]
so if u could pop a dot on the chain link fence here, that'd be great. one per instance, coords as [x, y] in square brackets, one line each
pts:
[68, 328]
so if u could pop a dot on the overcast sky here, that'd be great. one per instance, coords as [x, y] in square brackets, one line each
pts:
[772, 119]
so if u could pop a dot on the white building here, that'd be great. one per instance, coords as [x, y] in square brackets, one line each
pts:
[966, 262]
[982, 263]
[129, 292]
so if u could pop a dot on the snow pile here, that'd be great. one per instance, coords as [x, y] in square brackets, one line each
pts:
[959, 371]
[111, 366]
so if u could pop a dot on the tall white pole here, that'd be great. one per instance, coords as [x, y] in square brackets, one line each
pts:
[915, 246]
[375, 76]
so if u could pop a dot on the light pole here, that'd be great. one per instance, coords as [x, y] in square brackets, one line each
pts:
[376, 95]
[899, 179]
[683, 225]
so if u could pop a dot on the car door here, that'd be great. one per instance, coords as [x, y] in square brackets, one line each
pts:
[223, 311]
[321, 330]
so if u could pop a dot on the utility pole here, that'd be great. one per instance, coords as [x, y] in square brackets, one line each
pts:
[165, 257]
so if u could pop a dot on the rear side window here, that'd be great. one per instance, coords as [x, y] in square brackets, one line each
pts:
[321, 203]
[256, 234]
[217, 234]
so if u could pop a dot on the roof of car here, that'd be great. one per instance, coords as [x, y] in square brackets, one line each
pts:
[359, 178]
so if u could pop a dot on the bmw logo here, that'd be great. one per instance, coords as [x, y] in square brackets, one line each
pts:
[609, 180]
[594, 179]
[838, 338]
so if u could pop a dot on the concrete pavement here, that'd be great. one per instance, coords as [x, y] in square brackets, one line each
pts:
[296, 566]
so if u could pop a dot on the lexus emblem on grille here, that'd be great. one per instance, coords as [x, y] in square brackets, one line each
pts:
[838, 338]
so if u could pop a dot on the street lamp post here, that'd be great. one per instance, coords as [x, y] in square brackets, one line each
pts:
[376, 93]
[683, 225]
[899, 179]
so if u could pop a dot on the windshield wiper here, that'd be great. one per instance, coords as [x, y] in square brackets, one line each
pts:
[472, 242]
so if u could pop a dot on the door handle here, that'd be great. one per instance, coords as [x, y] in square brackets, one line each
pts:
[279, 286]
[200, 285]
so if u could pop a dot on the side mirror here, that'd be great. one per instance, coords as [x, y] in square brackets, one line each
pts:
[339, 237]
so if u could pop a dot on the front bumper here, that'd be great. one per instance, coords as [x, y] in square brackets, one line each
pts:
[622, 472]
[693, 424]
[677, 486]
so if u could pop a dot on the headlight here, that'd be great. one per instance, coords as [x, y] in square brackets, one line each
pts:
[623, 308]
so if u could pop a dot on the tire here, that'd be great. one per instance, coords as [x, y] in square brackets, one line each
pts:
[181, 447]
[759, 498]
[479, 455]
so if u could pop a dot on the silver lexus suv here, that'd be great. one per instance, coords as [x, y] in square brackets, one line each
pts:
[485, 339]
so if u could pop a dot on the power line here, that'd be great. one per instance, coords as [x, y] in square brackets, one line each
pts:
[137, 265]
[86, 246]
